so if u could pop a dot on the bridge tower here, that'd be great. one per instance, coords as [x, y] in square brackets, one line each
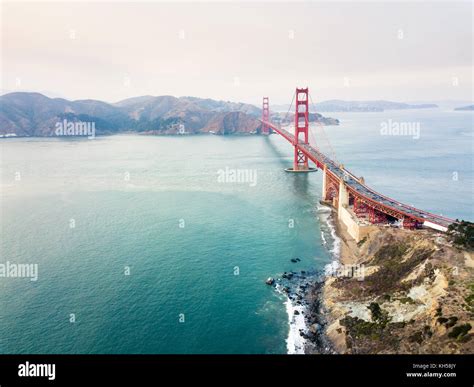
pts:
[265, 116]
[300, 161]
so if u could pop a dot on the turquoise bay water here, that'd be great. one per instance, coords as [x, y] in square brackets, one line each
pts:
[228, 229]
[128, 197]
[433, 172]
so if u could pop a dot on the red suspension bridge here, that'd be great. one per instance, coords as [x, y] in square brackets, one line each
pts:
[349, 194]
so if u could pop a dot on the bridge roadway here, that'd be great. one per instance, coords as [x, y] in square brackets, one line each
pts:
[369, 196]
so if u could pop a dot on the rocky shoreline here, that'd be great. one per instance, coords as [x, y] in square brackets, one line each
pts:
[415, 295]
[304, 290]
[318, 341]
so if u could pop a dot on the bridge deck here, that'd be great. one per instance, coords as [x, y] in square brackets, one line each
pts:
[352, 183]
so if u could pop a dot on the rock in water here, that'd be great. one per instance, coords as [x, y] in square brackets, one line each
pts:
[270, 281]
[314, 328]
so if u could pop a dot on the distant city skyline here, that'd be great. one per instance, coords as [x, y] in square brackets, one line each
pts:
[419, 51]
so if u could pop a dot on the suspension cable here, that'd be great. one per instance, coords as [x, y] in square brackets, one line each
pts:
[291, 104]
[325, 137]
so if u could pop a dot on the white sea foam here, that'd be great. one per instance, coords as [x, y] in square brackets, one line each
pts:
[334, 242]
[336, 249]
[330, 239]
[323, 209]
[295, 343]
[331, 268]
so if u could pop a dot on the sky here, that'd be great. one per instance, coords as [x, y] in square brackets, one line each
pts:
[239, 51]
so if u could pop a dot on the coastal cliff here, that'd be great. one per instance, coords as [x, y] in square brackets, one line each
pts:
[415, 294]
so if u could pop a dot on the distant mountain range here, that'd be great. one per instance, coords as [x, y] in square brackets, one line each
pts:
[336, 105]
[462, 108]
[288, 118]
[33, 114]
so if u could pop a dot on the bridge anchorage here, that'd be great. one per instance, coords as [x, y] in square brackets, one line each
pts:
[357, 205]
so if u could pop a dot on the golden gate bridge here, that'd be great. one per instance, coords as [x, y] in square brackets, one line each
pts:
[348, 194]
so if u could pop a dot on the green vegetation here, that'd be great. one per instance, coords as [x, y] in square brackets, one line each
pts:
[390, 252]
[460, 331]
[388, 278]
[429, 271]
[416, 337]
[427, 331]
[448, 322]
[419, 336]
[469, 299]
[462, 233]
[407, 300]
[393, 268]
[143, 124]
[376, 335]
[451, 322]
[358, 327]
[362, 241]
[379, 315]
[374, 330]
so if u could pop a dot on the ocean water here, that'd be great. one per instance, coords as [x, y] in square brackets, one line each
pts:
[434, 172]
[198, 248]
[155, 249]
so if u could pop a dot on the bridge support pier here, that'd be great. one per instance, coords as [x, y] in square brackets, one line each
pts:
[323, 195]
[343, 200]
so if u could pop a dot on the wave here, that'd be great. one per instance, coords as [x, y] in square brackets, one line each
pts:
[328, 231]
[295, 343]
[323, 239]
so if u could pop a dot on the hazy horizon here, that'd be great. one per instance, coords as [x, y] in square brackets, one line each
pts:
[403, 52]
[54, 95]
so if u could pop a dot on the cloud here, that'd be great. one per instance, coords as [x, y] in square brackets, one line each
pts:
[403, 51]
